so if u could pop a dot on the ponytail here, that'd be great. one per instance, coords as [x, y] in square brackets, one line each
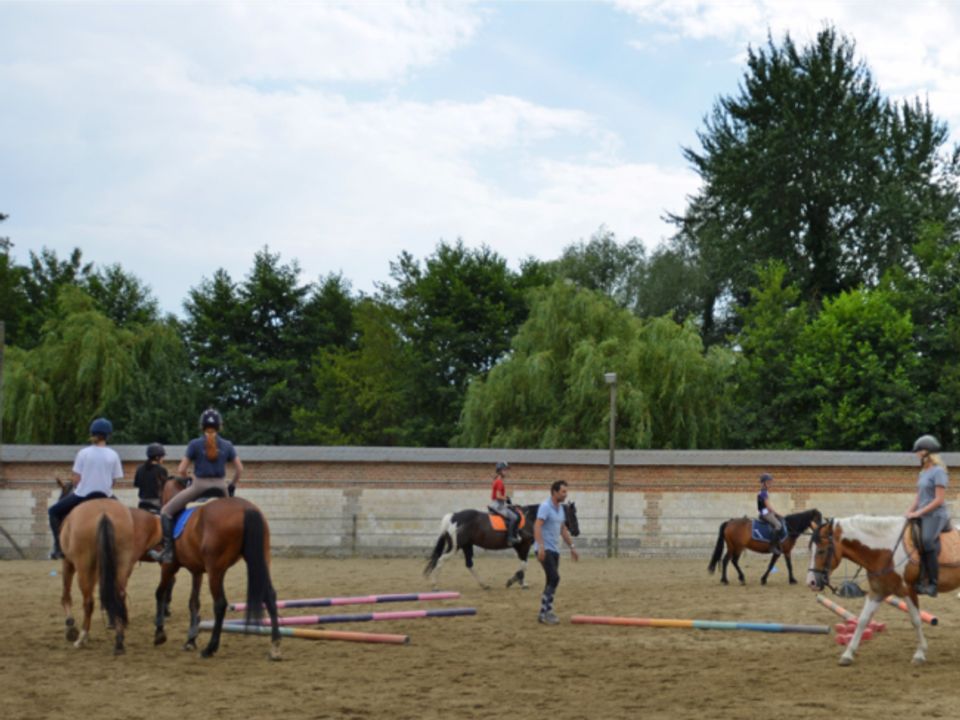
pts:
[937, 460]
[210, 443]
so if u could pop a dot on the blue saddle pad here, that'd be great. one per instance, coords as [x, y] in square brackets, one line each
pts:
[182, 522]
[764, 533]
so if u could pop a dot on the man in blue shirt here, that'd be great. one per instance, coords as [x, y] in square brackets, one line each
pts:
[547, 531]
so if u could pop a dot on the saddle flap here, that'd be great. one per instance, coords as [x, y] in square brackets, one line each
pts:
[759, 530]
[499, 524]
[181, 521]
[949, 545]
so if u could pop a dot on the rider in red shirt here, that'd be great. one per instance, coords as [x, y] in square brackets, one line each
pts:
[501, 503]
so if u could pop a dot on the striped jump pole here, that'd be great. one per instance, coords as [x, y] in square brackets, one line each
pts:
[365, 617]
[902, 605]
[848, 616]
[357, 600]
[313, 634]
[700, 624]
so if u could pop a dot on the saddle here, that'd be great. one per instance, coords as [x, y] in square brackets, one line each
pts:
[759, 530]
[949, 545]
[180, 521]
[499, 524]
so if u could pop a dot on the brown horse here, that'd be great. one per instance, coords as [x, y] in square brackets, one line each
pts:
[102, 539]
[878, 545]
[738, 536]
[215, 536]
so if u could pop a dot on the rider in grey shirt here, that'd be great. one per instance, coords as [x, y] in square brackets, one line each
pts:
[928, 506]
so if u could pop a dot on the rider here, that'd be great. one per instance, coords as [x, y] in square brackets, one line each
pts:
[94, 470]
[768, 514]
[150, 478]
[501, 503]
[209, 454]
[928, 506]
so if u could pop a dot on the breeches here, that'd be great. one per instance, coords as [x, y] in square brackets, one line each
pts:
[931, 526]
[197, 488]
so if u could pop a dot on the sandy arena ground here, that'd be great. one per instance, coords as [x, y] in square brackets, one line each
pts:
[497, 663]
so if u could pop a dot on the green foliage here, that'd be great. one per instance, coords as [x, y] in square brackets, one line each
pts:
[251, 344]
[550, 391]
[606, 266]
[772, 326]
[364, 394]
[811, 165]
[458, 311]
[121, 296]
[852, 376]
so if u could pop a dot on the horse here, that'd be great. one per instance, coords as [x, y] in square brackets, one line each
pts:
[214, 537]
[882, 547]
[102, 538]
[464, 529]
[738, 536]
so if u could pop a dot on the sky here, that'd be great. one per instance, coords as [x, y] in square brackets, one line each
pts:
[180, 138]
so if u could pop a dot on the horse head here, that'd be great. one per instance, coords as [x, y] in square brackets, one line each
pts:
[826, 557]
[570, 518]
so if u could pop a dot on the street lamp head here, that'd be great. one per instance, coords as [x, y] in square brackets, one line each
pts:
[610, 378]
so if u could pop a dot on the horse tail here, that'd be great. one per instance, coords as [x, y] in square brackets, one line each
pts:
[259, 586]
[445, 543]
[718, 550]
[110, 599]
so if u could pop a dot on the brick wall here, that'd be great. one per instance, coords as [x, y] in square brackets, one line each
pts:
[341, 501]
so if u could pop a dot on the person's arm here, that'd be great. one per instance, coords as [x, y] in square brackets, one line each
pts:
[766, 502]
[499, 492]
[940, 494]
[237, 470]
[538, 537]
[183, 467]
[565, 534]
[913, 506]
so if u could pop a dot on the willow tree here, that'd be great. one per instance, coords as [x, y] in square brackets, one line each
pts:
[549, 392]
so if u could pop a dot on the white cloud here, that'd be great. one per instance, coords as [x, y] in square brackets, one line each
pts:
[911, 49]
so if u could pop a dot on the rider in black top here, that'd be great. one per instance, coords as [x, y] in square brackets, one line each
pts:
[150, 478]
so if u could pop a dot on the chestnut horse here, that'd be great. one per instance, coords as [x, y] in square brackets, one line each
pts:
[738, 536]
[215, 536]
[875, 544]
[462, 530]
[102, 538]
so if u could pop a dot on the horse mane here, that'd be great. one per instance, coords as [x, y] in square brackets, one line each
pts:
[797, 523]
[871, 531]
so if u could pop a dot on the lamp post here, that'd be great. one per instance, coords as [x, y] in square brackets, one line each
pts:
[611, 380]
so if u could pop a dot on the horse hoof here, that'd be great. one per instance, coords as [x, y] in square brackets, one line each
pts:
[159, 638]
[485, 587]
[724, 582]
[743, 582]
[72, 632]
[793, 581]
[763, 581]
[119, 651]
[524, 587]
[207, 653]
[190, 645]
[845, 660]
[275, 654]
[919, 660]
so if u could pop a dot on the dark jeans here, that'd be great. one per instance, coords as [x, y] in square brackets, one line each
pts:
[60, 509]
[551, 566]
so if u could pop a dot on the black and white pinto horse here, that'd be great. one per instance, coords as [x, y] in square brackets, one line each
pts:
[468, 528]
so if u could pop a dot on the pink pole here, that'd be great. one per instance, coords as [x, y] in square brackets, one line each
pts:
[357, 600]
[902, 605]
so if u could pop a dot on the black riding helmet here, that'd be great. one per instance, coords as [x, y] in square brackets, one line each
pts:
[501, 466]
[926, 442]
[155, 450]
[210, 418]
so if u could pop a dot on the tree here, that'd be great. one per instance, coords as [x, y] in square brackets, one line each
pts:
[363, 393]
[773, 321]
[606, 266]
[852, 376]
[549, 391]
[458, 311]
[41, 281]
[122, 297]
[810, 164]
[13, 302]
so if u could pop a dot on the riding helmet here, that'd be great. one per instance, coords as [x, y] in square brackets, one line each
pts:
[501, 466]
[210, 418]
[926, 442]
[766, 477]
[101, 426]
[155, 450]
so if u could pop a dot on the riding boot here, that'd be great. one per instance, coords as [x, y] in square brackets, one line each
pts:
[512, 537]
[56, 552]
[928, 586]
[166, 553]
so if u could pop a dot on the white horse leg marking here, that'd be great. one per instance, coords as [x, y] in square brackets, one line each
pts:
[523, 569]
[82, 640]
[869, 608]
[473, 572]
[920, 656]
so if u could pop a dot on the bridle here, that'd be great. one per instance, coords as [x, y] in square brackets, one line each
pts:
[822, 577]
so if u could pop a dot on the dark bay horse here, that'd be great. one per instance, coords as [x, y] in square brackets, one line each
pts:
[215, 536]
[468, 528]
[737, 535]
[879, 545]
[102, 539]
